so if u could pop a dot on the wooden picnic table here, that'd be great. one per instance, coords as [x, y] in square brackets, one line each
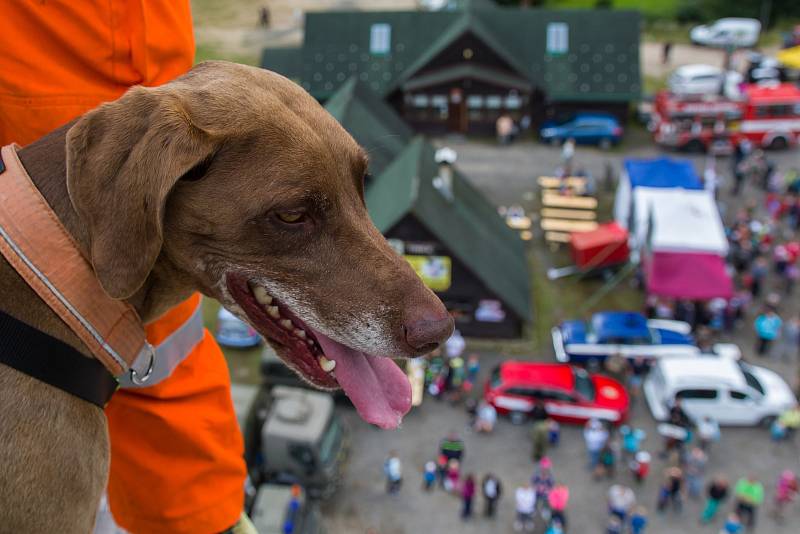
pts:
[553, 200]
[556, 213]
[552, 182]
[564, 225]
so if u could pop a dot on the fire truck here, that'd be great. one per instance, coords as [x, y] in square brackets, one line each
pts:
[767, 115]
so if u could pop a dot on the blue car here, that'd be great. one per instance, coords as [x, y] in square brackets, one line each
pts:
[586, 129]
[629, 334]
[233, 332]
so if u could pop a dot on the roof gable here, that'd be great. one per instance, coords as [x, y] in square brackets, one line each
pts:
[372, 123]
[601, 61]
[469, 226]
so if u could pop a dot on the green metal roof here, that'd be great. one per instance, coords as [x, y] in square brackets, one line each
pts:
[371, 122]
[601, 61]
[286, 61]
[468, 226]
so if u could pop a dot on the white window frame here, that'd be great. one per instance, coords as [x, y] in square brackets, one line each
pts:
[557, 38]
[380, 39]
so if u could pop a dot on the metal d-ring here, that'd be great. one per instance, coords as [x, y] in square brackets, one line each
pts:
[147, 374]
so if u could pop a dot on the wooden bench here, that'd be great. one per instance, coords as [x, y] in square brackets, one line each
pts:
[560, 201]
[555, 213]
[551, 182]
[556, 237]
[564, 225]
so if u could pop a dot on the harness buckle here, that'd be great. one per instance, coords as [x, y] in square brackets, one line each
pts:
[141, 380]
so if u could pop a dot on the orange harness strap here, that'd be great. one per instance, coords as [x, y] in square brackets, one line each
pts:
[35, 243]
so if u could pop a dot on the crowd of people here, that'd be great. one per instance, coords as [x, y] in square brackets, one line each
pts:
[765, 261]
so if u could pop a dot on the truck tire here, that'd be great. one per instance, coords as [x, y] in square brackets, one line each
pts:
[778, 142]
[695, 145]
[517, 417]
[767, 421]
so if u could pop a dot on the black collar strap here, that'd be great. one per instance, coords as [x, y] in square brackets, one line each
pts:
[54, 362]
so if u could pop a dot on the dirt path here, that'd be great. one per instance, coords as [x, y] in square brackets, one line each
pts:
[683, 54]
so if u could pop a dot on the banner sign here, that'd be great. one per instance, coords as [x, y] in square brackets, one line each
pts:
[435, 271]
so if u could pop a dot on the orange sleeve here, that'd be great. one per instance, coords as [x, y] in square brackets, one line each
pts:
[176, 450]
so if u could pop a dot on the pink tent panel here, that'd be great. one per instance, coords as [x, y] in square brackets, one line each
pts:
[688, 275]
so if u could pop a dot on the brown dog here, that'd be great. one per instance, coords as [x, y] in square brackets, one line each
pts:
[232, 181]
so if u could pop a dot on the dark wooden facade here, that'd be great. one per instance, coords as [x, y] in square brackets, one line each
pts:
[467, 293]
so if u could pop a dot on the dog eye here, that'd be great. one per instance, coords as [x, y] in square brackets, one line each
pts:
[291, 217]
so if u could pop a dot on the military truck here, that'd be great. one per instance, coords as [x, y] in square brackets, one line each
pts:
[293, 435]
[282, 509]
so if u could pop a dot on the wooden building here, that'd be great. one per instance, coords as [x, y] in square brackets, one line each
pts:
[459, 70]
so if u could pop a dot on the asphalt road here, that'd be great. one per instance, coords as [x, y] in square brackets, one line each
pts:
[506, 175]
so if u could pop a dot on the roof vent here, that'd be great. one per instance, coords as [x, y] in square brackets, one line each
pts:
[445, 157]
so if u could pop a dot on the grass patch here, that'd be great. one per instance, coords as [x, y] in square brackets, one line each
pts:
[207, 51]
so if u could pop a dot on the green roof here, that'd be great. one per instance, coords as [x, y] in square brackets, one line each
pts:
[372, 123]
[286, 61]
[601, 62]
[468, 226]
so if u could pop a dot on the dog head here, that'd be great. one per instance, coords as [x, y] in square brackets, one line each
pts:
[232, 180]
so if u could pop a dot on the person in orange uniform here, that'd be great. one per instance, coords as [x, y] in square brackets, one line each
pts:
[176, 450]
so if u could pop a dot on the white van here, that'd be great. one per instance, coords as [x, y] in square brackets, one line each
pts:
[696, 79]
[737, 32]
[731, 392]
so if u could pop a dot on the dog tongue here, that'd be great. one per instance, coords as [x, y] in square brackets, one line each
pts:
[379, 390]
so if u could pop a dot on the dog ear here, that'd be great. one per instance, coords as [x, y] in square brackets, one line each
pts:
[123, 159]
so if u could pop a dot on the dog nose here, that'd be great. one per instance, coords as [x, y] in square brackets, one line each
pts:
[424, 335]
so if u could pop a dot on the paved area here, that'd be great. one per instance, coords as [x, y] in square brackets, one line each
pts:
[506, 175]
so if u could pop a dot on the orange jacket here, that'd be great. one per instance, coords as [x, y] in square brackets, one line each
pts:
[176, 462]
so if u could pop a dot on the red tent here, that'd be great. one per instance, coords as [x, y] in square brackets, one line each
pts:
[606, 245]
[688, 275]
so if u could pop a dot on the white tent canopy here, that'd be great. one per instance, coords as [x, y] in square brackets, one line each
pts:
[677, 220]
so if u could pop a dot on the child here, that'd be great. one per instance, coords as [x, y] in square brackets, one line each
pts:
[638, 520]
[614, 525]
[733, 525]
[453, 475]
[555, 527]
[553, 432]
[785, 491]
[640, 466]
[441, 469]
[429, 475]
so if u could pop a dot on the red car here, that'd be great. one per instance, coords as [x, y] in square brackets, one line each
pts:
[570, 394]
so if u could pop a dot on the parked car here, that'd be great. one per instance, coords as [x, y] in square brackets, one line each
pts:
[598, 129]
[570, 394]
[732, 392]
[732, 31]
[690, 80]
[621, 332]
[233, 332]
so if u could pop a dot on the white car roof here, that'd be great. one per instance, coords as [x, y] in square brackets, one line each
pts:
[680, 372]
[697, 69]
[737, 21]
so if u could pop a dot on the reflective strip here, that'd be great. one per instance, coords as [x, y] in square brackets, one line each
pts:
[63, 300]
[170, 352]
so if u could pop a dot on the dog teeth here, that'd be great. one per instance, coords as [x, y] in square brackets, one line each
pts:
[286, 323]
[326, 364]
[310, 342]
[273, 312]
[300, 333]
[263, 298]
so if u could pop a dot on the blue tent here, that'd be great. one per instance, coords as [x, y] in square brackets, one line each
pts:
[662, 172]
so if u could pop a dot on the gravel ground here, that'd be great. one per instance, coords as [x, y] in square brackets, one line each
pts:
[506, 175]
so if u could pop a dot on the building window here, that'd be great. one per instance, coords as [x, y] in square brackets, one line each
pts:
[513, 102]
[474, 101]
[420, 101]
[494, 101]
[557, 38]
[380, 39]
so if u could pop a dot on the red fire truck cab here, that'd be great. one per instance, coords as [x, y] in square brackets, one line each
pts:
[767, 115]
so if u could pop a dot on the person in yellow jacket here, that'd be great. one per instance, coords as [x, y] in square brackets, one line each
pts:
[176, 450]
